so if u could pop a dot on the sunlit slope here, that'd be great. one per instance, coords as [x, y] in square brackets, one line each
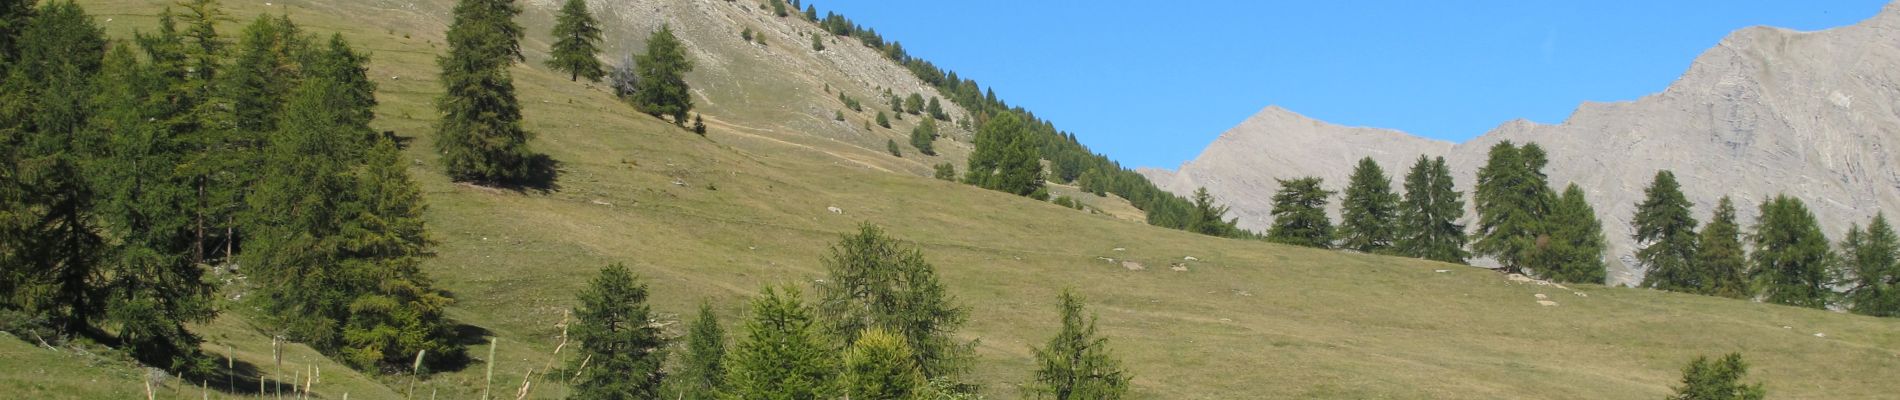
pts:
[716, 218]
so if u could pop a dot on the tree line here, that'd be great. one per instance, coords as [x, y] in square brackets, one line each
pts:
[1026, 136]
[1528, 228]
[137, 170]
[881, 325]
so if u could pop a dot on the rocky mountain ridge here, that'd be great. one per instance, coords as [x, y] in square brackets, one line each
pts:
[1766, 111]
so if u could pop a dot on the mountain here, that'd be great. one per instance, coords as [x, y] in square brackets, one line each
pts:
[1767, 111]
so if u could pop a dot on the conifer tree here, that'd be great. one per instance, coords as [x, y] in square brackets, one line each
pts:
[1791, 257]
[1719, 258]
[223, 175]
[1513, 197]
[935, 108]
[702, 373]
[1076, 363]
[946, 171]
[1666, 232]
[1006, 159]
[618, 342]
[1299, 214]
[662, 84]
[1871, 262]
[60, 254]
[914, 105]
[576, 43]
[1574, 247]
[480, 134]
[817, 43]
[1718, 380]
[1428, 225]
[14, 15]
[880, 366]
[292, 257]
[782, 354]
[1368, 211]
[924, 136]
[396, 311]
[1208, 218]
[873, 281]
[153, 289]
[265, 70]
[883, 121]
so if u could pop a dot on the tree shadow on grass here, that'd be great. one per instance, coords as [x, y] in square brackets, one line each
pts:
[543, 177]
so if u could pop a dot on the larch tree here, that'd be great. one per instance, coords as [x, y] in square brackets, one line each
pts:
[1076, 364]
[1428, 225]
[783, 352]
[61, 255]
[1299, 214]
[1666, 233]
[576, 43]
[874, 281]
[662, 88]
[924, 136]
[1006, 159]
[480, 134]
[1573, 250]
[1368, 211]
[1720, 258]
[1717, 380]
[1870, 261]
[702, 372]
[1513, 197]
[880, 366]
[154, 289]
[1791, 257]
[1208, 218]
[619, 346]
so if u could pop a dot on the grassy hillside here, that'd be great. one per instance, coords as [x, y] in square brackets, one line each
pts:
[716, 218]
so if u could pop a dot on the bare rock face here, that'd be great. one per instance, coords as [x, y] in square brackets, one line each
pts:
[1814, 115]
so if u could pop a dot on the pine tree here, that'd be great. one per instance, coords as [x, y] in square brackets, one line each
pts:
[222, 168]
[663, 89]
[576, 43]
[883, 121]
[1076, 364]
[891, 146]
[265, 70]
[62, 250]
[1666, 232]
[923, 137]
[1368, 210]
[1299, 214]
[1006, 159]
[1428, 225]
[1791, 257]
[1719, 258]
[1513, 197]
[702, 373]
[1871, 265]
[699, 124]
[480, 134]
[1719, 380]
[1574, 247]
[783, 353]
[153, 289]
[817, 43]
[873, 281]
[880, 366]
[1208, 218]
[620, 345]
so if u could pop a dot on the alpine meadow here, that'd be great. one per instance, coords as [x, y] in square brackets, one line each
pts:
[768, 199]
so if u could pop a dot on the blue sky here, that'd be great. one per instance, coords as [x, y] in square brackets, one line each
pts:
[1150, 83]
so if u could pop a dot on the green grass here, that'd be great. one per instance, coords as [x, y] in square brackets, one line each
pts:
[1249, 320]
